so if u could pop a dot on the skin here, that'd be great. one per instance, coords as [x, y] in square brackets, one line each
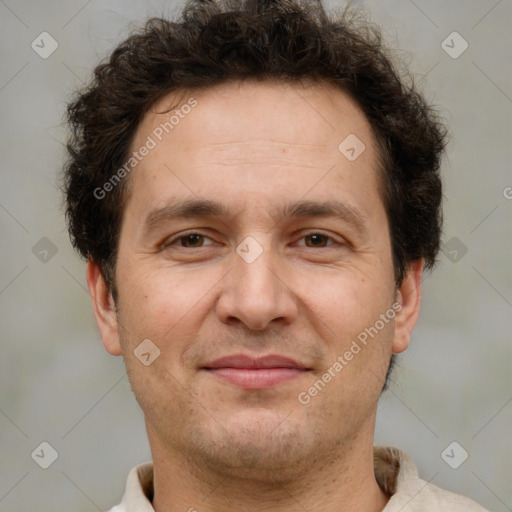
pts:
[253, 147]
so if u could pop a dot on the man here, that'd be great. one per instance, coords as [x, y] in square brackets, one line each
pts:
[257, 195]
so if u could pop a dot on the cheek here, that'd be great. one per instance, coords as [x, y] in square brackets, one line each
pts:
[162, 303]
[346, 302]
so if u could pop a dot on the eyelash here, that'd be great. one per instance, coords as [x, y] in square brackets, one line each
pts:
[182, 236]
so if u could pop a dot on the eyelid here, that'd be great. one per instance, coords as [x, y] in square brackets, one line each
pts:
[175, 238]
[304, 234]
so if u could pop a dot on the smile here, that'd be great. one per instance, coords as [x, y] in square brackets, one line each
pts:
[256, 378]
[256, 373]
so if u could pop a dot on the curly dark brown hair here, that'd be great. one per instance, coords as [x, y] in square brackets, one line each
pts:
[227, 40]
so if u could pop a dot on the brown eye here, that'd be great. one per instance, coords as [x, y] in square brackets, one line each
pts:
[192, 240]
[317, 240]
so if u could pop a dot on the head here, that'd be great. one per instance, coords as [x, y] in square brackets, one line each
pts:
[270, 129]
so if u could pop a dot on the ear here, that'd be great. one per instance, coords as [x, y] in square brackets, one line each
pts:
[409, 298]
[104, 309]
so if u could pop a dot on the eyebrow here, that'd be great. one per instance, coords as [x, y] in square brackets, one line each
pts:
[202, 208]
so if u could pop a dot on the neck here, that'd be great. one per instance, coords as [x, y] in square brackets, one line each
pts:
[342, 481]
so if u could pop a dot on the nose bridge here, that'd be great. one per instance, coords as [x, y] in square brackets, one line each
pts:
[254, 293]
[254, 265]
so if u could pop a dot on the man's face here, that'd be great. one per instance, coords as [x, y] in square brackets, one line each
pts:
[303, 287]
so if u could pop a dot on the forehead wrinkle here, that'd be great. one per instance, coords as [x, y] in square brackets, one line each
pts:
[263, 142]
[284, 162]
[252, 152]
[248, 149]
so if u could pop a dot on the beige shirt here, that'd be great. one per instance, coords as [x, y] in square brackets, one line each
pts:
[394, 470]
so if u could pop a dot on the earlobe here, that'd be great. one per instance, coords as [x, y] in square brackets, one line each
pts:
[104, 309]
[409, 299]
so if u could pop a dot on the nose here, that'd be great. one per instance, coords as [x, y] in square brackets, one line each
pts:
[256, 293]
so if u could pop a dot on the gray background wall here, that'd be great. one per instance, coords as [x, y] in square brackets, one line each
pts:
[57, 385]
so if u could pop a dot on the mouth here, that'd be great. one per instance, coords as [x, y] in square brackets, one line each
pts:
[256, 373]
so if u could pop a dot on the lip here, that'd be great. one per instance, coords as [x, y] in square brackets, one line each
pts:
[256, 373]
[241, 361]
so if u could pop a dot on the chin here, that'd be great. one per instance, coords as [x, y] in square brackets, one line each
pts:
[257, 445]
[271, 461]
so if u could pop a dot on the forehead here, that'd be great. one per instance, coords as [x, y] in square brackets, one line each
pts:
[290, 110]
[262, 134]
